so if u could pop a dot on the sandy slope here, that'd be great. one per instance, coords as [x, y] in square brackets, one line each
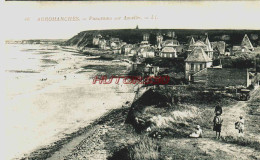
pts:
[89, 146]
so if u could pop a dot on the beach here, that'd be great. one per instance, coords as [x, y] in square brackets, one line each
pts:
[49, 94]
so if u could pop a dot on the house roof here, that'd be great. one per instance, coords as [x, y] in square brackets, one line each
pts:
[192, 41]
[168, 50]
[246, 42]
[171, 42]
[198, 55]
[207, 42]
[145, 49]
[199, 43]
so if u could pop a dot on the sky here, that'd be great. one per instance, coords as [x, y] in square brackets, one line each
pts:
[173, 15]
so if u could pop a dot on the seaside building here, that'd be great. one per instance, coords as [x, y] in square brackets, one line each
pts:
[159, 40]
[206, 46]
[245, 46]
[102, 44]
[133, 51]
[146, 37]
[127, 48]
[168, 52]
[196, 61]
[146, 52]
[170, 43]
[144, 44]
[96, 39]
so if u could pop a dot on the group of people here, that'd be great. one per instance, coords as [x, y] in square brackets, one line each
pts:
[217, 124]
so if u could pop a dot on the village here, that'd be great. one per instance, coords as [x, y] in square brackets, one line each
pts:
[198, 61]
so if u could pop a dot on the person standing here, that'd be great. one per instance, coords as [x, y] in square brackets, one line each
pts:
[217, 124]
[241, 126]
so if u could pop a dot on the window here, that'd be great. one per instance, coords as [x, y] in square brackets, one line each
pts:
[201, 66]
[192, 66]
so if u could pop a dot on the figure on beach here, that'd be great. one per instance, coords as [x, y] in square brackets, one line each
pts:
[217, 121]
[197, 133]
[240, 125]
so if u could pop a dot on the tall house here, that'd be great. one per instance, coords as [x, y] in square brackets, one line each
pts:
[171, 34]
[159, 39]
[209, 50]
[196, 61]
[96, 39]
[146, 37]
[245, 46]
[192, 41]
[206, 46]
[247, 43]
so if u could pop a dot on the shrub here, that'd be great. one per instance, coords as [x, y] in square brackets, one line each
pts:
[145, 149]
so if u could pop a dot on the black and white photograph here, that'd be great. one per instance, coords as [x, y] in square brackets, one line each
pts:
[130, 80]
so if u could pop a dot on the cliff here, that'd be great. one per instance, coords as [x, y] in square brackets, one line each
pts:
[132, 36]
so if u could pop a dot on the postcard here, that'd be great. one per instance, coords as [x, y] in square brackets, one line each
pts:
[130, 80]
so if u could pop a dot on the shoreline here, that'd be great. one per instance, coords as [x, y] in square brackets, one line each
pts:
[48, 151]
[51, 101]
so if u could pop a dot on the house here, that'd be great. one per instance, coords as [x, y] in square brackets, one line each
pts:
[151, 70]
[114, 43]
[146, 37]
[147, 52]
[159, 39]
[206, 46]
[247, 43]
[102, 44]
[170, 43]
[96, 39]
[196, 61]
[168, 52]
[144, 44]
[133, 51]
[192, 41]
[127, 48]
[245, 46]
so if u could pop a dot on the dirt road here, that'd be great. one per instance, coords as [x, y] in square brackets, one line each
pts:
[222, 150]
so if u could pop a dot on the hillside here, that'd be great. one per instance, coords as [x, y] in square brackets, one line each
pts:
[132, 36]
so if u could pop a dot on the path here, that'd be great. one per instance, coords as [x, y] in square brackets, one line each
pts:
[218, 148]
[211, 146]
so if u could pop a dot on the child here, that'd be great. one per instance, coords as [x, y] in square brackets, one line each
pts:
[217, 124]
[197, 133]
[241, 126]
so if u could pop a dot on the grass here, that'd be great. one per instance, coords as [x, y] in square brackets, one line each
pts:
[242, 142]
[146, 148]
